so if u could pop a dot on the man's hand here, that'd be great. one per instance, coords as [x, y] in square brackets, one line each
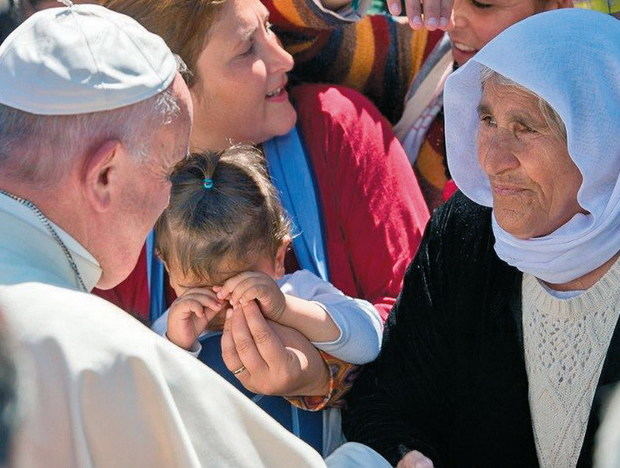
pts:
[254, 286]
[415, 459]
[190, 314]
[437, 13]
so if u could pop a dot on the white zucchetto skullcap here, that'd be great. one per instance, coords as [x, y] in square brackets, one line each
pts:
[81, 59]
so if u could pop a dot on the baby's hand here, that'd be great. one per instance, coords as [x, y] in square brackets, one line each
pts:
[189, 315]
[250, 286]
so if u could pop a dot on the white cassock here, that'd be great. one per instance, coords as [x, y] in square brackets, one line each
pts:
[100, 389]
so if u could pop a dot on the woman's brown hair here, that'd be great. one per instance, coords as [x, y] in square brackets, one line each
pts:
[183, 24]
[224, 214]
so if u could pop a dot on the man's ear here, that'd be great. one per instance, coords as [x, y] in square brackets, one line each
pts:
[101, 174]
[281, 255]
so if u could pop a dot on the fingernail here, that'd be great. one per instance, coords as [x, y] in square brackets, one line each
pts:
[228, 313]
[394, 8]
[416, 22]
[443, 22]
[431, 23]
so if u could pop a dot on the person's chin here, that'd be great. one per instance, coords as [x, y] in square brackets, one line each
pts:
[513, 221]
[111, 279]
[462, 54]
[284, 123]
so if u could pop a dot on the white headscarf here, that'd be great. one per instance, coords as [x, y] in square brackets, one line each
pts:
[571, 59]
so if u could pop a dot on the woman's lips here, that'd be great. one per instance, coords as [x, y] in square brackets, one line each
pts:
[280, 96]
[507, 190]
[462, 52]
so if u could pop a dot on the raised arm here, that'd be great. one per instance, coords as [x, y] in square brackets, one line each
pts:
[378, 55]
[335, 4]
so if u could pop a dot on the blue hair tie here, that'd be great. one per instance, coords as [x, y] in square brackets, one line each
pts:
[207, 183]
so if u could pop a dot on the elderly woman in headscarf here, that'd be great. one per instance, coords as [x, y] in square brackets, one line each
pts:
[505, 338]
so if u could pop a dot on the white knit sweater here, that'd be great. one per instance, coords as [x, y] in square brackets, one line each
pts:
[566, 341]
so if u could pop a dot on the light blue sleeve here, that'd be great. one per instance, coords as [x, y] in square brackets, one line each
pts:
[361, 328]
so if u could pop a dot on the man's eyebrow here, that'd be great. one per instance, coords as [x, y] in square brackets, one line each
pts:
[483, 109]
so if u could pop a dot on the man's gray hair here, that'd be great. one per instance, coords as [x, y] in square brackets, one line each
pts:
[552, 118]
[38, 149]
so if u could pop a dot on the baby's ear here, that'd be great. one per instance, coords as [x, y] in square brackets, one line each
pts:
[159, 256]
[281, 255]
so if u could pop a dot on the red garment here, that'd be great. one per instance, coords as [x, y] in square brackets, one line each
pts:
[132, 295]
[373, 211]
[449, 190]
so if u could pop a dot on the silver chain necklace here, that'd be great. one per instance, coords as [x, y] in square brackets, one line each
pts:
[52, 231]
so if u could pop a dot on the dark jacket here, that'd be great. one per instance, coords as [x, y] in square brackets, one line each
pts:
[450, 380]
[8, 18]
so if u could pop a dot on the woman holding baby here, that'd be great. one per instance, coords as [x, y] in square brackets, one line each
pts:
[357, 211]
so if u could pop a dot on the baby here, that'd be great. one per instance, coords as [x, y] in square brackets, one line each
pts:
[224, 239]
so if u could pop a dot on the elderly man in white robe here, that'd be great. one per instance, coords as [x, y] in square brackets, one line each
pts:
[93, 117]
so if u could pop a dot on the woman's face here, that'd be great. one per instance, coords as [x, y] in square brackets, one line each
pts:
[475, 23]
[240, 94]
[533, 179]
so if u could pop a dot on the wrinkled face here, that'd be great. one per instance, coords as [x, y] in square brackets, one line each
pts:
[533, 179]
[146, 191]
[475, 23]
[240, 91]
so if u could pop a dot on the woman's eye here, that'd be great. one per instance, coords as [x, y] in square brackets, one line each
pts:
[478, 4]
[268, 27]
[523, 128]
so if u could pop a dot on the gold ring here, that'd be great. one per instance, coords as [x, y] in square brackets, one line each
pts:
[239, 371]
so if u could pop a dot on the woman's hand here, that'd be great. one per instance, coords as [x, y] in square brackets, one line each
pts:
[415, 459]
[190, 314]
[269, 358]
[437, 13]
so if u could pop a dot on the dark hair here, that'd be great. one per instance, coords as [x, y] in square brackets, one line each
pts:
[232, 223]
[9, 18]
